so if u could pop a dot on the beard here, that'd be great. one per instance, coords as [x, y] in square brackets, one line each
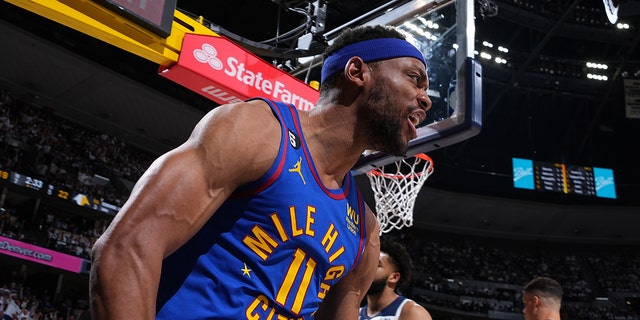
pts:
[384, 124]
[377, 286]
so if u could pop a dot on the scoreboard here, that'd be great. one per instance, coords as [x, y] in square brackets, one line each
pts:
[63, 193]
[560, 177]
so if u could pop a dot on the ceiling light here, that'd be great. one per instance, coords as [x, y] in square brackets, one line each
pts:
[622, 25]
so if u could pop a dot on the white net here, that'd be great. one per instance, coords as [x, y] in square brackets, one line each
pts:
[395, 190]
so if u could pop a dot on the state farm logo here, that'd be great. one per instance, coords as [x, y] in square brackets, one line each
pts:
[208, 54]
[246, 77]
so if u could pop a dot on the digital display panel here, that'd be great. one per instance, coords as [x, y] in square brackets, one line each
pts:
[559, 177]
[51, 190]
[154, 15]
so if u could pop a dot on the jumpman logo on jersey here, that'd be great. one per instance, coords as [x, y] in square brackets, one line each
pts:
[296, 168]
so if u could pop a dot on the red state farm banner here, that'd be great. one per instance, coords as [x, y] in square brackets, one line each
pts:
[224, 72]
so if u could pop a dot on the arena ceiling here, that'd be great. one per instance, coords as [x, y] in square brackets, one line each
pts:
[538, 106]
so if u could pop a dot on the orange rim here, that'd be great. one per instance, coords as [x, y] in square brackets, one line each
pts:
[426, 158]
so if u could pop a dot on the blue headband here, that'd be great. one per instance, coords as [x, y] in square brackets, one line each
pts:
[369, 50]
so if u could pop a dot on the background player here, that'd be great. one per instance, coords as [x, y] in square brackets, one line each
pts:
[384, 298]
[542, 298]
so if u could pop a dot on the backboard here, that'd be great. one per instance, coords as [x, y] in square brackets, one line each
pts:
[444, 31]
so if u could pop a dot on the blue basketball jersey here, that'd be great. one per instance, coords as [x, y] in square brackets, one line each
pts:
[390, 312]
[274, 248]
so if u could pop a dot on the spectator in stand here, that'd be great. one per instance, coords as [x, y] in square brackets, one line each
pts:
[542, 298]
[23, 315]
[4, 298]
[12, 307]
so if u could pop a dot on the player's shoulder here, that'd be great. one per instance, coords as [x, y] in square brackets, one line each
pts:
[237, 132]
[252, 117]
[414, 311]
[255, 108]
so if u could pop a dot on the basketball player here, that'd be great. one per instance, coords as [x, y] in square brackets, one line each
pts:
[384, 299]
[542, 298]
[256, 215]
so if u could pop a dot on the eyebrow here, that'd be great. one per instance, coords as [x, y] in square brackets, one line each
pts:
[422, 73]
[423, 77]
[419, 69]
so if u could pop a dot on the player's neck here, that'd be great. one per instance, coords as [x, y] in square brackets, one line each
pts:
[331, 142]
[550, 316]
[375, 303]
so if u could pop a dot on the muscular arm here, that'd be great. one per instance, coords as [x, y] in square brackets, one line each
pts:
[172, 201]
[343, 299]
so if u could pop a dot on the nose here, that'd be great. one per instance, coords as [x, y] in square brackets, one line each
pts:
[424, 101]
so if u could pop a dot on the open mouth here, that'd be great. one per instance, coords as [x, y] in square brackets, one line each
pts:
[416, 116]
[414, 119]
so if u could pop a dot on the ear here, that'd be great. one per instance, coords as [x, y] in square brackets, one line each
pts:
[394, 278]
[536, 300]
[356, 71]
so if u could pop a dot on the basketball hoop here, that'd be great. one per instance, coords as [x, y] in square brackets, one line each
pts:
[395, 193]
